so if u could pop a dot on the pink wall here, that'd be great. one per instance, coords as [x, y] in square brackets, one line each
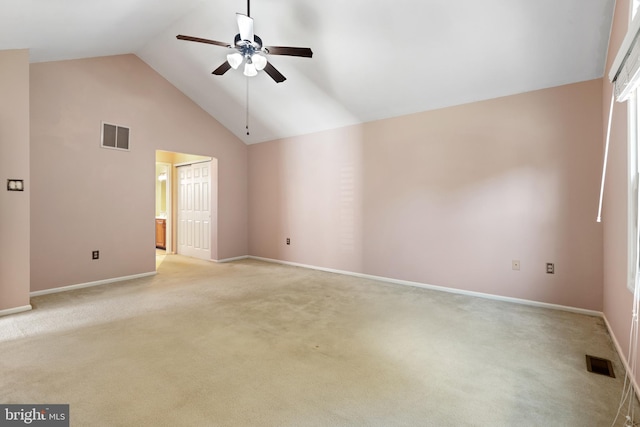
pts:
[14, 164]
[447, 197]
[86, 197]
[617, 297]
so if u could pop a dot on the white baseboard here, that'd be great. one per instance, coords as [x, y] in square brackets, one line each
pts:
[440, 288]
[238, 258]
[622, 356]
[15, 310]
[90, 284]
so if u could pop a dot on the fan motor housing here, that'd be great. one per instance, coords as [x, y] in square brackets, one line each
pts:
[245, 46]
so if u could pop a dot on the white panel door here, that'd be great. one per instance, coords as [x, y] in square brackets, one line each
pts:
[194, 210]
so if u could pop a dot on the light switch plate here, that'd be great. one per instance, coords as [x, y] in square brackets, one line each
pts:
[15, 185]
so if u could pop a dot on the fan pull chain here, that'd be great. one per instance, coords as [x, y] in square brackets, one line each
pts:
[247, 108]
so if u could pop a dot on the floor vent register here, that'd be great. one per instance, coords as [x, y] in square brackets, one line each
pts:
[601, 366]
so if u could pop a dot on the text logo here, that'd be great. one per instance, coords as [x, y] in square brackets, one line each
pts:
[34, 415]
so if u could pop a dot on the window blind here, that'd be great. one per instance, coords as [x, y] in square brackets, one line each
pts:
[625, 76]
[625, 70]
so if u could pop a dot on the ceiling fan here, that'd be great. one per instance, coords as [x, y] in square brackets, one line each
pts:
[250, 50]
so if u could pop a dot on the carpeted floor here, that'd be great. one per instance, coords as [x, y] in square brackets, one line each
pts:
[257, 344]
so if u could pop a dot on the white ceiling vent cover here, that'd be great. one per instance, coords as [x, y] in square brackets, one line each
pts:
[114, 136]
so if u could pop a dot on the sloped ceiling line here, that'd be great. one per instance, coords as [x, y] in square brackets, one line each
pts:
[372, 60]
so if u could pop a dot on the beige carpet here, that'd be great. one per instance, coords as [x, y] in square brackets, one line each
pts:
[257, 344]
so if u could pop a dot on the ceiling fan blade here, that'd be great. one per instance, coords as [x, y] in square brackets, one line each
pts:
[273, 73]
[199, 40]
[245, 25]
[222, 69]
[289, 51]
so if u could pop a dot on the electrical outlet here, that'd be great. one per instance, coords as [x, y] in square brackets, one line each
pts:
[551, 269]
[95, 255]
[288, 241]
[515, 264]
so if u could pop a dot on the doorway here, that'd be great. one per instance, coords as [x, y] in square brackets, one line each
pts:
[196, 236]
[163, 206]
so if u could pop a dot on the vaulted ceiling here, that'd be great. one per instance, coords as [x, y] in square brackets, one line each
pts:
[372, 59]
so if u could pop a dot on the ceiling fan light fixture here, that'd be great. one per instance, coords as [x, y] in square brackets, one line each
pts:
[250, 69]
[259, 61]
[235, 59]
[250, 50]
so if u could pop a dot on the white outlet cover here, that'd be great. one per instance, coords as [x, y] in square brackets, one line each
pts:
[515, 264]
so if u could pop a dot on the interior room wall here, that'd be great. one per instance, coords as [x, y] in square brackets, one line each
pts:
[448, 197]
[179, 158]
[14, 164]
[88, 198]
[617, 299]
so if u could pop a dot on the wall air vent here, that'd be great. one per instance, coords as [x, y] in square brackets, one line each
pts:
[115, 137]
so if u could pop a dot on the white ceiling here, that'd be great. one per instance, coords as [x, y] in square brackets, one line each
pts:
[372, 59]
